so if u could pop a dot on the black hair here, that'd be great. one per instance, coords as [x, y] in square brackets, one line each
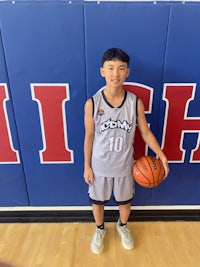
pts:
[115, 53]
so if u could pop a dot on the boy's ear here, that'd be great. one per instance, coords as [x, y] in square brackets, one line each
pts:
[102, 72]
[128, 72]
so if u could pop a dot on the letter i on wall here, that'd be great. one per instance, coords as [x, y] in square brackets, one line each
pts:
[51, 100]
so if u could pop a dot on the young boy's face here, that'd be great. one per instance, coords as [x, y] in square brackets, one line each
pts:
[115, 72]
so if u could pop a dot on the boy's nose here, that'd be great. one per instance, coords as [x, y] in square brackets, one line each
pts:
[116, 72]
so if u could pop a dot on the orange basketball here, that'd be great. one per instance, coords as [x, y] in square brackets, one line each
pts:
[148, 171]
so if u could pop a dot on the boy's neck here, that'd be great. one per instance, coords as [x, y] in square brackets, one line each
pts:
[114, 97]
[114, 92]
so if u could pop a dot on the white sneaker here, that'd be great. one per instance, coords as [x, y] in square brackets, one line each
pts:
[97, 241]
[126, 238]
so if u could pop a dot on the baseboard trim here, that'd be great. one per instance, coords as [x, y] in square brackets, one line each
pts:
[86, 216]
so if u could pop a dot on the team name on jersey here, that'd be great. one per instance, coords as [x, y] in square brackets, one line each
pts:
[111, 124]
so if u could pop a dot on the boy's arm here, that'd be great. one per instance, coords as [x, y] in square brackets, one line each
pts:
[88, 142]
[149, 137]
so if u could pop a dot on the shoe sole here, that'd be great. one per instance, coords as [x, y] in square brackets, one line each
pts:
[97, 252]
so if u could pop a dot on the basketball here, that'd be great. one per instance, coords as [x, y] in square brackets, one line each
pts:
[148, 171]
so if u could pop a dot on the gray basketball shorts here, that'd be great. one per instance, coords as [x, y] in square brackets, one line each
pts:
[122, 188]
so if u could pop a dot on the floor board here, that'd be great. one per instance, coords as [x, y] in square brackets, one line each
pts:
[157, 244]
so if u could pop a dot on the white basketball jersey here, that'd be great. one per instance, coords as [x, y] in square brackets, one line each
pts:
[114, 136]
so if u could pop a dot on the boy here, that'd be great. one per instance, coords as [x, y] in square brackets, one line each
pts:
[110, 120]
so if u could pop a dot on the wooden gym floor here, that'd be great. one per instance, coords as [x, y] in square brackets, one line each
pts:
[157, 244]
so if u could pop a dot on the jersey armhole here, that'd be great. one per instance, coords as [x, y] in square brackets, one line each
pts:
[92, 106]
[136, 107]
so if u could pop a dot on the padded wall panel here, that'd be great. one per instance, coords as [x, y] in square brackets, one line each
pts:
[12, 181]
[182, 65]
[44, 45]
[141, 30]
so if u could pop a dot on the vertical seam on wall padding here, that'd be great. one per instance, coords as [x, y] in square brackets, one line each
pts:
[164, 61]
[85, 53]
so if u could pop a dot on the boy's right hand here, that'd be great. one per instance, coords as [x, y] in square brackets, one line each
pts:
[89, 176]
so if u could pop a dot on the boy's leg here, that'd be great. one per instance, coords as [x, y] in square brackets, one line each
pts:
[126, 238]
[99, 192]
[124, 212]
[98, 213]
